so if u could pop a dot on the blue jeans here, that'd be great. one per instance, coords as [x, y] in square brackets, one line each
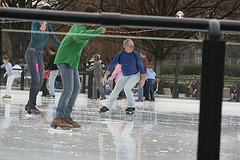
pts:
[71, 88]
[140, 90]
[122, 94]
[34, 61]
[58, 84]
[232, 96]
[149, 88]
[126, 82]
[52, 77]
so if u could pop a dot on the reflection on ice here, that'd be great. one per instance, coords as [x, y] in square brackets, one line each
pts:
[166, 129]
[125, 145]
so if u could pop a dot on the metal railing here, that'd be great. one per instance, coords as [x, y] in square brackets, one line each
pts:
[212, 62]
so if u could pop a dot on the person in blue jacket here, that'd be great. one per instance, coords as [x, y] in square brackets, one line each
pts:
[132, 67]
[150, 78]
[41, 31]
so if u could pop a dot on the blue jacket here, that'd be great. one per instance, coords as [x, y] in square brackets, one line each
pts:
[38, 40]
[150, 74]
[128, 62]
[7, 66]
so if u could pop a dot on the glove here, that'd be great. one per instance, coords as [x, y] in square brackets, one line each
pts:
[5, 75]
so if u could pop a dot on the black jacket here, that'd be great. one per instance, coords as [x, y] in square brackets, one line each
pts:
[51, 65]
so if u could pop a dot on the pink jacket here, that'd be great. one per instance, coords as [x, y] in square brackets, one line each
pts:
[46, 74]
[116, 73]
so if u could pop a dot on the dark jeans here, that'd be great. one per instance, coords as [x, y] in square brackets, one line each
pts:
[34, 61]
[58, 84]
[71, 89]
[44, 87]
[149, 89]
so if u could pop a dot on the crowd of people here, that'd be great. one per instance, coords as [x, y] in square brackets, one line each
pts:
[130, 68]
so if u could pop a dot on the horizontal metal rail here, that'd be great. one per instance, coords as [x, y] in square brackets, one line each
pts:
[105, 19]
[117, 19]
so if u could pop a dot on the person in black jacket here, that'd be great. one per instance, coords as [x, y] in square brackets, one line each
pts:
[53, 71]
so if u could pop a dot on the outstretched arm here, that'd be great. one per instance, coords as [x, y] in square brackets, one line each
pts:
[53, 37]
[83, 30]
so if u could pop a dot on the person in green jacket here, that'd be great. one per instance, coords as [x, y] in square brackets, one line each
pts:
[67, 60]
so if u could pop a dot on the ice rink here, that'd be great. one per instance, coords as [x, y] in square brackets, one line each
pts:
[166, 129]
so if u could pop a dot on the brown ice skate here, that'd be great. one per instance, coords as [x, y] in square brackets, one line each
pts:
[71, 122]
[59, 122]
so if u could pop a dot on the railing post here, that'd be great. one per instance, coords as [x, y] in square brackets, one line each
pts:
[238, 91]
[175, 93]
[0, 44]
[22, 79]
[211, 94]
[84, 82]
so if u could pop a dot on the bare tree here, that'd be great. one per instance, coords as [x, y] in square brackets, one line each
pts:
[20, 41]
[191, 8]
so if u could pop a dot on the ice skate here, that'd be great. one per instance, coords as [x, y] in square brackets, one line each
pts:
[33, 111]
[6, 96]
[27, 109]
[130, 111]
[69, 120]
[103, 109]
[59, 122]
[50, 96]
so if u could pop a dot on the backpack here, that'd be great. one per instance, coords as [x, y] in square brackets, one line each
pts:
[133, 54]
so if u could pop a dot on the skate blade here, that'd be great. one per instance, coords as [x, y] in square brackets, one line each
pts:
[29, 115]
[60, 127]
[33, 113]
[130, 113]
[59, 130]
[102, 111]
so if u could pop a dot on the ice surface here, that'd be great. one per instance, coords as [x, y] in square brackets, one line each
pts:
[163, 130]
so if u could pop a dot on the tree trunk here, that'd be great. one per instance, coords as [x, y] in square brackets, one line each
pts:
[158, 64]
[159, 57]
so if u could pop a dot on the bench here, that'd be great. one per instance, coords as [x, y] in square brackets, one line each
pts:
[167, 91]
[226, 92]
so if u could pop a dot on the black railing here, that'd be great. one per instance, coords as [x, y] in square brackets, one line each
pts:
[212, 62]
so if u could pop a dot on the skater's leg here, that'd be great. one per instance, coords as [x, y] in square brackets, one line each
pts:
[117, 89]
[9, 84]
[67, 82]
[52, 77]
[75, 92]
[99, 86]
[128, 89]
[40, 67]
[94, 89]
[140, 91]
[36, 76]
[151, 89]
[147, 90]
[44, 87]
